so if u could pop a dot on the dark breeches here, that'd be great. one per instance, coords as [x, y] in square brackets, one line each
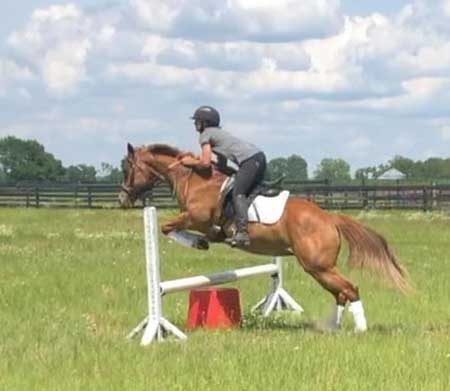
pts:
[250, 174]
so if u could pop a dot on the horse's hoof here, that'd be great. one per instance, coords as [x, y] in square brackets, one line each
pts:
[237, 244]
[201, 244]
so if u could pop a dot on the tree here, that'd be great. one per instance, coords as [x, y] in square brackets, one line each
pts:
[335, 170]
[366, 173]
[297, 168]
[294, 168]
[27, 160]
[404, 165]
[3, 178]
[277, 167]
[81, 173]
[110, 174]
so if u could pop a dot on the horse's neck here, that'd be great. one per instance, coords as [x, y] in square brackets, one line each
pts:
[180, 178]
[176, 176]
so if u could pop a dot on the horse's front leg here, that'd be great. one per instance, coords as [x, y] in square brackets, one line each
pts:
[176, 230]
[181, 222]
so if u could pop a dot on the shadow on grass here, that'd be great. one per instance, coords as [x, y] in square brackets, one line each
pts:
[293, 322]
[396, 329]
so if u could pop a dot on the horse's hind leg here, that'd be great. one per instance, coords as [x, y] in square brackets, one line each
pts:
[343, 290]
[318, 258]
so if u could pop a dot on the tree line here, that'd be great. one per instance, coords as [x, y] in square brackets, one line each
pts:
[27, 160]
[432, 168]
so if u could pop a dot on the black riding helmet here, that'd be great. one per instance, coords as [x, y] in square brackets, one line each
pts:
[209, 115]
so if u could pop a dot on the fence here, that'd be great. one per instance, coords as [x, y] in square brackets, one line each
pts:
[327, 196]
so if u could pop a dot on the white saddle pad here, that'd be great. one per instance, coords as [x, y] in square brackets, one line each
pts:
[267, 210]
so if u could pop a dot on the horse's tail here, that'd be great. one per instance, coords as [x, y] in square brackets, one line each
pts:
[368, 249]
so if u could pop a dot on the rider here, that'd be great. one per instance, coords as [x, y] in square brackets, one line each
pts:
[250, 160]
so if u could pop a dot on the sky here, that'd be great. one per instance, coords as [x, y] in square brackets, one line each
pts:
[359, 80]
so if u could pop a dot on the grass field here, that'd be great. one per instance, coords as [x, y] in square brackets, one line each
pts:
[72, 285]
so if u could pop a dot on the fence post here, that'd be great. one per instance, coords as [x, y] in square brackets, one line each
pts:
[425, 199]
[434, 202]
[365, 197]
[76, 194]
[89, 197]
[36, 195]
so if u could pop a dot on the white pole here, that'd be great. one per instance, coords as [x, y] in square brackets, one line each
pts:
[217, 278]
[278, 299]
[156, 326]
[153, 277]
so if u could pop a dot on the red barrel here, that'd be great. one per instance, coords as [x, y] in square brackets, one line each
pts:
[214, 308]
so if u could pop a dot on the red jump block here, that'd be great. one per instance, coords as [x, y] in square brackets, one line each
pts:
[214, 308]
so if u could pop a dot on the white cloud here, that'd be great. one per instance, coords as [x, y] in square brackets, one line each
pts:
[157, 14]
[240, 19]
[10, 72]
[446, 6]
[63, 66]
[300, 67]
[57, 42]
[56, 13]
[445, 133]
[360, 144]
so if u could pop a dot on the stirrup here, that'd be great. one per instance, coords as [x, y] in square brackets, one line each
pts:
[233, 242]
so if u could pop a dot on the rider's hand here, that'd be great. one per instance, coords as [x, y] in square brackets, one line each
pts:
[189, 161]
[184, 154]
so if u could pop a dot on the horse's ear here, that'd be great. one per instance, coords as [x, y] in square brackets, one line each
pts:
[130, 151]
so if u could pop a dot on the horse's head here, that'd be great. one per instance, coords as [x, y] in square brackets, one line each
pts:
[140, 175]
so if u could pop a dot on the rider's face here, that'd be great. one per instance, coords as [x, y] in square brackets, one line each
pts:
[198, 125]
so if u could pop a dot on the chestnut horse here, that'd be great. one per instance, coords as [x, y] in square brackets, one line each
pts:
[313, 235]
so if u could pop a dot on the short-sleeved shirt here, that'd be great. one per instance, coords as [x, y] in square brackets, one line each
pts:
[225, 144]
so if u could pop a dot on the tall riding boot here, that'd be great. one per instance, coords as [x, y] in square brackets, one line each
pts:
[241, 238]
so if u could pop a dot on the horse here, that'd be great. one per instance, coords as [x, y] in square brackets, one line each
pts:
[311, 234]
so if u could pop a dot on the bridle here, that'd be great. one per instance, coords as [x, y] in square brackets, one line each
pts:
[134, 192]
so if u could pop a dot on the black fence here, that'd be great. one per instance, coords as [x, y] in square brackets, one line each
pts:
[432, 197]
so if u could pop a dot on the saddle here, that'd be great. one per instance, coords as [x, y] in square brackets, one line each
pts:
[266, 202]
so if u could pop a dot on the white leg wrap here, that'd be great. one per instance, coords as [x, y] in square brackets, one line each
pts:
[339, 315]
[184, 238]
[357, 309]
[336, 317]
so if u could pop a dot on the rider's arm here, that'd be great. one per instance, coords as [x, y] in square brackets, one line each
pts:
[205, 158]
[203, 162]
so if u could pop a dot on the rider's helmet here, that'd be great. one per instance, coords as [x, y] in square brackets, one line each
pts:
[208, 115]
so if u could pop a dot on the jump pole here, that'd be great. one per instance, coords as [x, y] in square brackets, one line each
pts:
[156, 327]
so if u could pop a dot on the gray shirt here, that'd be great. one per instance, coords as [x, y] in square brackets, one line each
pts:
[225, 144]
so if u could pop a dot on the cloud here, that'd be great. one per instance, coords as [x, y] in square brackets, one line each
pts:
[368, 57]
[254, 20]
[294, 75]
[445, 133]
[57, 42]
[234, 56]
[11, 72]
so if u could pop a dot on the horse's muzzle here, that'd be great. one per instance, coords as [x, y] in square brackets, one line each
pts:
[125, 200]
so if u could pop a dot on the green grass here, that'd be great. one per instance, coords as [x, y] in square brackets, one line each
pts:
[72, 285]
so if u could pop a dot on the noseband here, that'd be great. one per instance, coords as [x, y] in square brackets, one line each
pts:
[135, 191]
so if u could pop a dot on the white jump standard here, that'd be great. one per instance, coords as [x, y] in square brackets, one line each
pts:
[155, 326]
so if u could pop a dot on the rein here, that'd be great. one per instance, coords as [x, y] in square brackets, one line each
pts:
[173, 165]
[175, 185]
[182, 193]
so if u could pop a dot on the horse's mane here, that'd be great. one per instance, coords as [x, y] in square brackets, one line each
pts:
[163, 149]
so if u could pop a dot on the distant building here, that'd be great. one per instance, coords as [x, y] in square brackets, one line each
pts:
[392, 175]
